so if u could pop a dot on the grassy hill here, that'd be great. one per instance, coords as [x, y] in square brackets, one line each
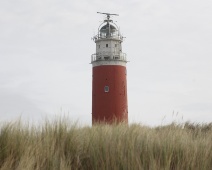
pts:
[61, 145]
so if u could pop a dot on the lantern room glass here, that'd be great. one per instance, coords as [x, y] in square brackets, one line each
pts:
[108, 31]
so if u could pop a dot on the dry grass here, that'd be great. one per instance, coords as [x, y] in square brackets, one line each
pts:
[60, 145]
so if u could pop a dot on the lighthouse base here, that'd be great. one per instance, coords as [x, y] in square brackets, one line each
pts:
[109, 94]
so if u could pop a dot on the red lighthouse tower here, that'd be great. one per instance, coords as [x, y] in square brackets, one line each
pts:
[109, 85]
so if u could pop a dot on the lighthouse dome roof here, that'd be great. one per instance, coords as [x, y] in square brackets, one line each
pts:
[107, 27]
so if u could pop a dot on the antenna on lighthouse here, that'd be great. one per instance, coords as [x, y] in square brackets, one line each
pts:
[108, 14]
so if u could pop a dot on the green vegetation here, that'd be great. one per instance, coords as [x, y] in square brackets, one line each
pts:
[59, 145]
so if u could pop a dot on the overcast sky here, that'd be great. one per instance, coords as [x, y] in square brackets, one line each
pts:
[46, 47]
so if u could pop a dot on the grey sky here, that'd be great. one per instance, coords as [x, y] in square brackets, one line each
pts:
[45, 49]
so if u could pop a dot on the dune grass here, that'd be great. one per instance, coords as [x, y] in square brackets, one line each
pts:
[63, 145]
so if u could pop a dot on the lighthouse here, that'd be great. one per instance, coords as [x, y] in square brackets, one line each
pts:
[109, 75]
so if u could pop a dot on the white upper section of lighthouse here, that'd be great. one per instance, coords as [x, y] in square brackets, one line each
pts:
[108, 44]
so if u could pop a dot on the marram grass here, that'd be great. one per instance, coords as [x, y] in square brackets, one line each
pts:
[61, 146]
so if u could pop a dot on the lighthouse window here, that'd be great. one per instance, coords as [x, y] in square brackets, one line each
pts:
[106, 89]
[115, 45]
[106, 45]
[99, 46]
